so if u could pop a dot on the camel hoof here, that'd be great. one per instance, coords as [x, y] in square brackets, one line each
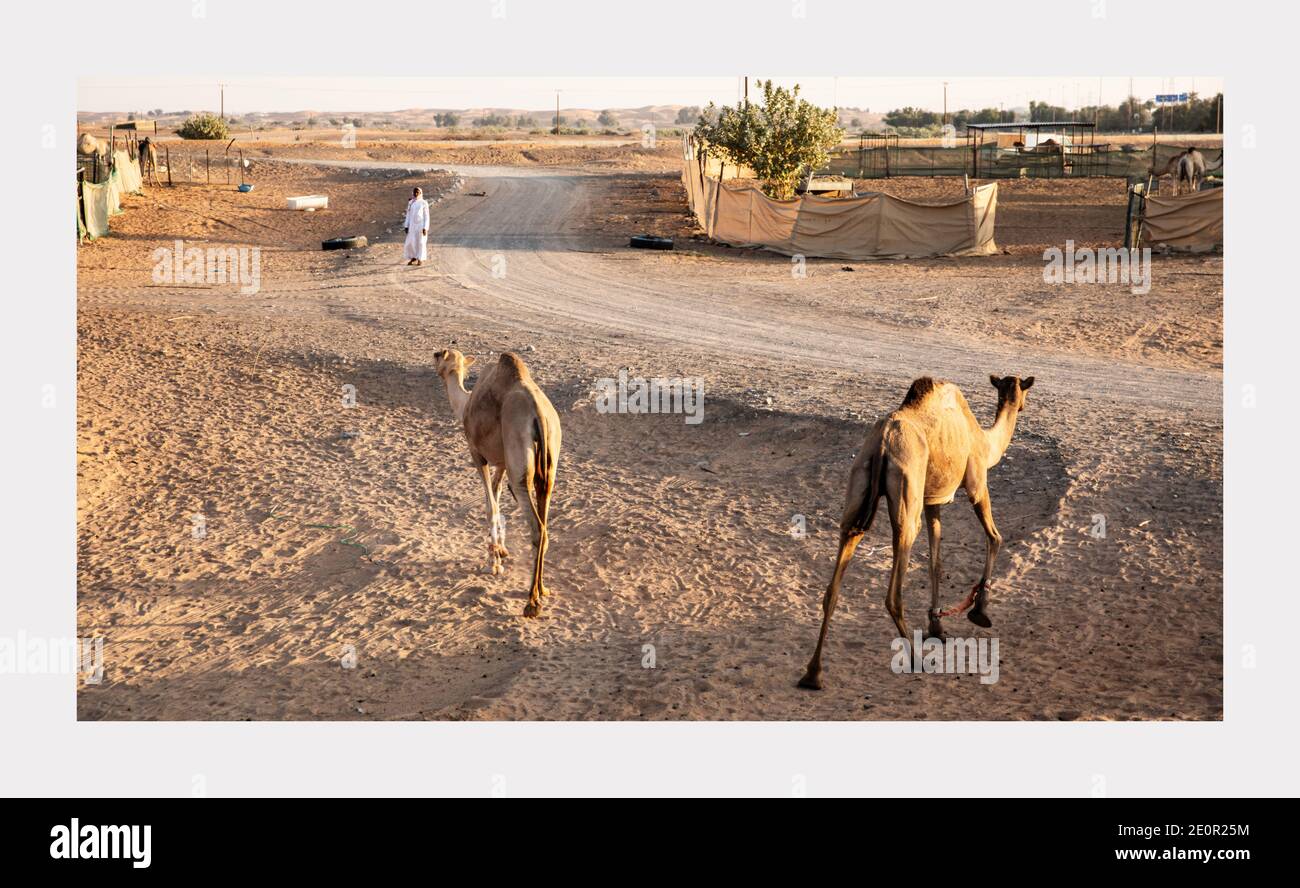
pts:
[935, 630]
[979, 618]
[533, 609]
[811, 680]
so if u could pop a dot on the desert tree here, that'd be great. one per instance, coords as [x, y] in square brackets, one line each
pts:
[778, 137]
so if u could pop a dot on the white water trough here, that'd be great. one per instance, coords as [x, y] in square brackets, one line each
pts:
[309, 202]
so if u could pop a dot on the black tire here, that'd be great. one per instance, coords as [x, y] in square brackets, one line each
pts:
[345, 243]
[649, 242]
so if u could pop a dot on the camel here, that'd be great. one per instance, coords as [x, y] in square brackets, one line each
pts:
[88, 144]
[917, 458]
[1187, 167]
[513, 432]
[148, 161]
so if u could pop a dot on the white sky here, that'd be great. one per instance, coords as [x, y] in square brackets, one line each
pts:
[369, 94]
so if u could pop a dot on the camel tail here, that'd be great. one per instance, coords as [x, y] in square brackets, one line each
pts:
[543, 468]
[875, 488]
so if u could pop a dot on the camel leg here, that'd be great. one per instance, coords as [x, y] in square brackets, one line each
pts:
[935, 629]
[495, 547]
[521, 484]
[543, 510]
[905, 512]
[984, 511]
[848, 543]
[498, 479]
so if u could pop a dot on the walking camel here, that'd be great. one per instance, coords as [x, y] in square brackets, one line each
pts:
[514, 435]
[917, 458]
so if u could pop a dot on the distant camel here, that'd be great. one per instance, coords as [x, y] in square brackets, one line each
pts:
[88, 144]
[1187, 168]
[148, 161]
[513, 430]
[917, 458]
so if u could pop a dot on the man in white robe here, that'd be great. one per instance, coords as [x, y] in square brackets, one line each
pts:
[417, 229]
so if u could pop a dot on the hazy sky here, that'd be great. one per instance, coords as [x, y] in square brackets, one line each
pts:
[244, 94]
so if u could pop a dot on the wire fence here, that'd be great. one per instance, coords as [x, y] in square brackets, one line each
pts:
[992, 162]
[192, 166]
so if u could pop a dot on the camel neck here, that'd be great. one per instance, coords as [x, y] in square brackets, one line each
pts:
[457, 395]
[999, 434]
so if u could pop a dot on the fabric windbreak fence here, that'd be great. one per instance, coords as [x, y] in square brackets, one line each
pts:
[1191, 222]
[128, 171]
[100, 202]
[865, 226]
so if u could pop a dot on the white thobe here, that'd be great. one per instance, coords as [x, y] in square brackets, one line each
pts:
[417, 226]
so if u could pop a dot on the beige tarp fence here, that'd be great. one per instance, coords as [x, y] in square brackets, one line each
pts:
[95, 201]
[1191, 221]
[129, 170]
[865, 226]
[100, 202]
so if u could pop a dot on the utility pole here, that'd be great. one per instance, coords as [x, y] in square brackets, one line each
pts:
[945, 103]
[557, 112]
[746, 90]
[223, 100]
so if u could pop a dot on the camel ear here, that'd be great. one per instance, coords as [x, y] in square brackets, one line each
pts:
[1026, 382]
[997, 381]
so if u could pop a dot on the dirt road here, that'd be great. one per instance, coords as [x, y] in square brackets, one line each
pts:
[552, 279]
[681, 585]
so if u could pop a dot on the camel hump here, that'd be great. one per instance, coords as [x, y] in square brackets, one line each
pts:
[921, 389]
[513, 366]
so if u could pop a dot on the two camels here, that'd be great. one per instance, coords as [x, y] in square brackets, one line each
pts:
[514, 435]
[917, 458]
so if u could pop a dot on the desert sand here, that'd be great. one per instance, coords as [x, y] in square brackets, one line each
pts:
[355, 536]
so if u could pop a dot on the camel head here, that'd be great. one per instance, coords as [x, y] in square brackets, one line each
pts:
[88, 144]
[451, 364]
[1011, 389]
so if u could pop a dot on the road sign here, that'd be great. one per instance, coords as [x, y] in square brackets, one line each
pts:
[1171, 98]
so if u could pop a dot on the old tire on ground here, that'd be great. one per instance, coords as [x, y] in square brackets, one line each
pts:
[649, 242]
[345, 243]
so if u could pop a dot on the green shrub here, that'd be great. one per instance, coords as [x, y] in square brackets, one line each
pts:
[204, 126]
[778, 138]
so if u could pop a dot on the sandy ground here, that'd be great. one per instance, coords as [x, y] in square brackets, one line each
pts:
[334, 532]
